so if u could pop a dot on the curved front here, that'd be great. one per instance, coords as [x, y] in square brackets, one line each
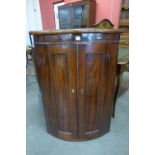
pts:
[76, 74]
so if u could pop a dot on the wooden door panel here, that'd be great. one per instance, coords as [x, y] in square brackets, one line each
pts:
[112, 52]
[63, 81]
[94, 69]
[77, 80]
[42, 69]
[93, 90]
[60, 73]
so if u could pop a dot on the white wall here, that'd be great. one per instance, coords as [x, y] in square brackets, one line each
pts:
[33, 17]
[56, 14]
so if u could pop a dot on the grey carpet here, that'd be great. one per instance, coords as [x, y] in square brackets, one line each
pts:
[39, 142]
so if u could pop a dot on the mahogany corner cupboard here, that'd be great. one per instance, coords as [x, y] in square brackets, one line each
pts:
[76, 69]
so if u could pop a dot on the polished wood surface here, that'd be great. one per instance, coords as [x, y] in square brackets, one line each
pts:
[104, 24]
[123, 62]
[73, 31]
[76, 73]
[96, 74]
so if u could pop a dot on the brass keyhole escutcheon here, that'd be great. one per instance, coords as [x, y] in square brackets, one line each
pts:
[73, 91]
[81, 91]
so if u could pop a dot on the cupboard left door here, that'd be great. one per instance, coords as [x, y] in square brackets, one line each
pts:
[65, 17]
[43, 75]
[57, 76]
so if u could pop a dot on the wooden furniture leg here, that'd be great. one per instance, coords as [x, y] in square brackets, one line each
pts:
[122, 66]
[118, 82]
[28, 52]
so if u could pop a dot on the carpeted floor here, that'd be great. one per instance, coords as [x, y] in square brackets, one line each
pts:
[39, 142]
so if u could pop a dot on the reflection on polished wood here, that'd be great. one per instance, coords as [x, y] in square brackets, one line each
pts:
[77, 80]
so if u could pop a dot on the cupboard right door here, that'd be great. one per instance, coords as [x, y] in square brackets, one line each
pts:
[79, 16]
[96, 80]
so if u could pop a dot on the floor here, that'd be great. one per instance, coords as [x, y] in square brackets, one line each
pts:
[39, 142]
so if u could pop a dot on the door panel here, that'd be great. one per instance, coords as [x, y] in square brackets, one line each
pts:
[77, 86]
[93, 113]
[93, 89]
[63, 89]
[42, 69]
[79, 16]
[60, 75]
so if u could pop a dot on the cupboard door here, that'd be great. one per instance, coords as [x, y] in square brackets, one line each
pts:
[42, 69]
[79, 16]
[65, 17]
[62, 69]
[96, 75]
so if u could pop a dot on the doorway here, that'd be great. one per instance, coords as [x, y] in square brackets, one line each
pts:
[33, 18]
[56, 14]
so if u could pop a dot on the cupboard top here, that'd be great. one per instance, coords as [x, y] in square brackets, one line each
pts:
[75, 31]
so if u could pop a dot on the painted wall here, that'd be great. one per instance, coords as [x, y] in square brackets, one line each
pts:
[109, 9]
[33, 18]
[47, 14]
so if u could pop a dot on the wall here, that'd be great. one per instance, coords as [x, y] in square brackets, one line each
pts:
[109, 9]
[33, 18]
[47, 13]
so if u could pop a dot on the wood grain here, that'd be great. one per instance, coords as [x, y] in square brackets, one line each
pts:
[77, 82]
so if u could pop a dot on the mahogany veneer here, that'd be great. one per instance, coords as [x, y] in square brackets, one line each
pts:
[76, 71]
